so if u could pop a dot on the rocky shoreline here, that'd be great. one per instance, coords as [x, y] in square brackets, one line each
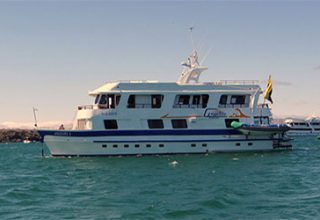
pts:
[18, 135]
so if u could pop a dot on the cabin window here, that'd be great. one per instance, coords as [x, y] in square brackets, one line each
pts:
[238, 99]
[110, 124]
[223, 100]
[229, 121]
[183, 100]
[145, 101]
[196, 99]
[96, 101]
[191, 101]
[108, 101]
[232, 101]
[132, 101]
[156, 101]
[205, 99]
[155, 123]
[179, 123]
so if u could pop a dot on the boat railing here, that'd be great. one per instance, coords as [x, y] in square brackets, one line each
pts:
[263, 106]
[233, 105]
[189, 106]
[238, 82]
[85, 107]
[134, 81]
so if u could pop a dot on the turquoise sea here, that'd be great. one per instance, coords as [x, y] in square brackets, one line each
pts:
[269, 185]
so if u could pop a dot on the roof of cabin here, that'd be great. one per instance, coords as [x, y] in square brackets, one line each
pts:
[154, 86]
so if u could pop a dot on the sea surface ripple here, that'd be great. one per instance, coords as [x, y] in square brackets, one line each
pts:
[268, 185]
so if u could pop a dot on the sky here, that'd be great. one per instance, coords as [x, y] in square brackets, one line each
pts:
[53, 52]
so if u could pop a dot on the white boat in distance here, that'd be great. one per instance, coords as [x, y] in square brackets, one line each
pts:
[183, 117]
[303, 127]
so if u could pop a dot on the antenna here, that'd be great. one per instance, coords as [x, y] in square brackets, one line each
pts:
[35, 117]
[205, 56]
[191, 35]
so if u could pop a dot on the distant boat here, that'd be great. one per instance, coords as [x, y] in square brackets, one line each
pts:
[303, 127]
[26, 141]
[183, 117]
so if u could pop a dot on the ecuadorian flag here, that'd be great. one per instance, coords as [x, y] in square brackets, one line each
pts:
[268, 94]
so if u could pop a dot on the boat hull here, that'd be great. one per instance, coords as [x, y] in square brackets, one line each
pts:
[74, 144]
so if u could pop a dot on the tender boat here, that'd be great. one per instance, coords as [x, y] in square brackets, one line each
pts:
[303, 127]
[261, 129]
[183, 117]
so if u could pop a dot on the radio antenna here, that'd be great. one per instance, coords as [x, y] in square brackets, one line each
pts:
[35, 117]
[191, 35]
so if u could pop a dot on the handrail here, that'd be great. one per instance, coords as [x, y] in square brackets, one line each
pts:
[85, 107]
[239, 82]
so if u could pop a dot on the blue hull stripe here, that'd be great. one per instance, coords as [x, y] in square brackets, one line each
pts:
[184, 141]
[72, 133]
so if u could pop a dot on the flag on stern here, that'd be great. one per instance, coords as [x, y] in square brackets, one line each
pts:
[268, 94]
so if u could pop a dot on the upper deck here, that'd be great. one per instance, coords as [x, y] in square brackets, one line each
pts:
[155, 86]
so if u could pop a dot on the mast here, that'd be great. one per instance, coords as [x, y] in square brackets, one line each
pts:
[192, 68]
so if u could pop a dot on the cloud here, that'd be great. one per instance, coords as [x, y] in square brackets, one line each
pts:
[30, 125]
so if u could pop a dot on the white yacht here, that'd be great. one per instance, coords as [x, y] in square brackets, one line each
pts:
[183, 117]
[302, 127]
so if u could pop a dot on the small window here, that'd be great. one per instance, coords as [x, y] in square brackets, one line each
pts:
[126, 145]
[250, 144]
[161, 145]
[204, 145]
[155, 123]
[196, 100]
[110, 124]
[238, 144]
[96, 101]
[193, 145]
[223, 100]
[179, 123]
[157, 101]
[108, 101]
[103, 100]
[238, 99]
[104, 145]
[148, 145]
[184, 100]
[132, 101]
[205, 99]
[200, 101]
[136, 145]
[229, 121]
[115, 146]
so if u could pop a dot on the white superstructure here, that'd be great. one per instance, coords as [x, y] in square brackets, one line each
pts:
[303, 127]
[149, 117]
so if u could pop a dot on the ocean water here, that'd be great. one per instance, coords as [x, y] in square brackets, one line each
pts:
[269, 185]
